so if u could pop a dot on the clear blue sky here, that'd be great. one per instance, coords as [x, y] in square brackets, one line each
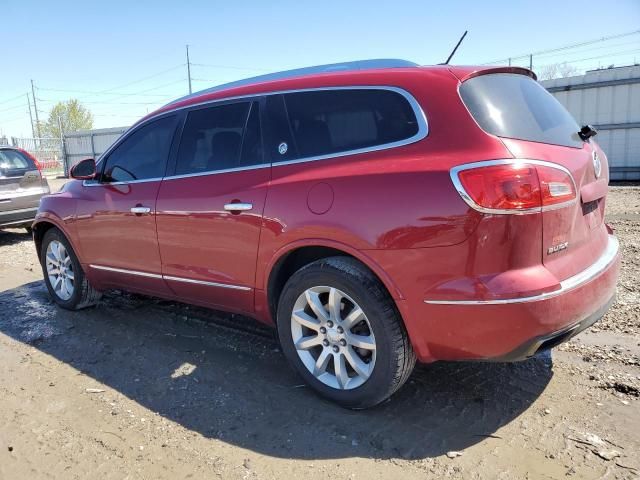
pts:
[97, 46]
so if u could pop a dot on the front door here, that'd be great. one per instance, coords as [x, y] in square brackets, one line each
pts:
[115, 216]
[209, 212]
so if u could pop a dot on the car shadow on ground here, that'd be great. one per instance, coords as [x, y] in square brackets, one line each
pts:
[13, 236]
[236, 386]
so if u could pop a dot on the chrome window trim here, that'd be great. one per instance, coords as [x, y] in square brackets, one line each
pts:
[216, 172]
[453, 173]
[571, 283]
[421, 119]
[168, 277]
[96, 183]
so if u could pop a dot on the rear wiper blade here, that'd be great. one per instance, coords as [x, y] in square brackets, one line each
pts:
[586, 132]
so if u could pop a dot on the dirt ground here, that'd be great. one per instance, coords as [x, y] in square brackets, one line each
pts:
[143, 388]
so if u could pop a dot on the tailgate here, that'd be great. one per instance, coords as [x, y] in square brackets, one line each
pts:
[573, 236]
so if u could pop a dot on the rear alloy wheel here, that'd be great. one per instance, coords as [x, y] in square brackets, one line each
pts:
[333, 337]
[341, 331]
[63, 273]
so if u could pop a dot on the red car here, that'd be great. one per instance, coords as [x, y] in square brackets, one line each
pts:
[375, 213]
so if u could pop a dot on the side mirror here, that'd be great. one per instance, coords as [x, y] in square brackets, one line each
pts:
[84, 169]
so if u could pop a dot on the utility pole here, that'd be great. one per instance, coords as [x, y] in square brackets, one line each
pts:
[33, 133]
[531, 62]
[189, 69]
[35, 107]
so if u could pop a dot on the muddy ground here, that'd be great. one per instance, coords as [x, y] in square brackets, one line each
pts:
[143, 388]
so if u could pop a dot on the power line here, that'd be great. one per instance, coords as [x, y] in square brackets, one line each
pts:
[565, 47]
[607, 55]
[144, 79]
[229, 67]
[98, 93]
[12, 99]
[12, 108]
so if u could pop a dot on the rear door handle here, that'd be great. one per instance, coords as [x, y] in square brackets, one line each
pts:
[140, 210]
[238, 207]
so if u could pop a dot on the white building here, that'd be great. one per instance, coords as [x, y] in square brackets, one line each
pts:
[608, 99]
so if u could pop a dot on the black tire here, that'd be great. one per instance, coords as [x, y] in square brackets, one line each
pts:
[84, 295]
[395, 358]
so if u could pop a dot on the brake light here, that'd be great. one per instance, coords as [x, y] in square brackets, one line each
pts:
[513, 186]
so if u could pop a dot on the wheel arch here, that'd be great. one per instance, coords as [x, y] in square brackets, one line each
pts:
[45, 223]
[294, 256]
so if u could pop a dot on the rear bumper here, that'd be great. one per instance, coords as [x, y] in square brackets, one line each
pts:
[16, 218]
[546, 342]
[513, 328]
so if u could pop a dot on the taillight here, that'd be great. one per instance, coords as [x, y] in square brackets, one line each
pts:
[514, 186]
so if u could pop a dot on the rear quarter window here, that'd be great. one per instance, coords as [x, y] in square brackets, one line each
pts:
[516, 106]
[326, 122]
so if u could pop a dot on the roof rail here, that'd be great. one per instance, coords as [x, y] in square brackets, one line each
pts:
[297, 72]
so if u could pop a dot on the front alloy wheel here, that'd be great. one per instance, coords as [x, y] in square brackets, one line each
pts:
[63, 274]
[60, 270]
[333, 337]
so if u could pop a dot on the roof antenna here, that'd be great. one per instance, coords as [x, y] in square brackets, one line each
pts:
[455, 49]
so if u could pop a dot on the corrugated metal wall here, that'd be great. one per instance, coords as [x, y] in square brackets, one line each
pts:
[89, 144]
[609, 100]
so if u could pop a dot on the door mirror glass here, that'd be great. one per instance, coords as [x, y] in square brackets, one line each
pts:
[84, 170]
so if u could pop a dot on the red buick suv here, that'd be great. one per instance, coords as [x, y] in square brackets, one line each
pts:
[375, 213]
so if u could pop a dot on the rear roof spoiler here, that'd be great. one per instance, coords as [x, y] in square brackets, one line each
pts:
[465, 73]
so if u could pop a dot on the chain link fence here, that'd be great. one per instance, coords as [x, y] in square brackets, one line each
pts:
[47, 151]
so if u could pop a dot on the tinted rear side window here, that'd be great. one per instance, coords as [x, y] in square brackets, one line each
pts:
[326, 122]
[220, 138]
[516, 106]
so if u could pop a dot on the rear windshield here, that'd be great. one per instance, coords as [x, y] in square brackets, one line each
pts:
[14, 160]
[516, 106]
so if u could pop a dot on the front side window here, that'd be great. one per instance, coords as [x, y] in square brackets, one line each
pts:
[326, 122]
[143, 154]
[222, 137]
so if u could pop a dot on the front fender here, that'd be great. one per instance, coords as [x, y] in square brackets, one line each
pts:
[57, 210]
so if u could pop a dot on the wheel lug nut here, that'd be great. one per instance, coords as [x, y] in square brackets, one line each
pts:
[329, 324]
[323, 330]
[336, 348]
[340, 330]
[343, 342]
[325, 343]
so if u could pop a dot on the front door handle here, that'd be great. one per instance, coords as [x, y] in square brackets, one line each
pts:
[238, 207]
[140, 210]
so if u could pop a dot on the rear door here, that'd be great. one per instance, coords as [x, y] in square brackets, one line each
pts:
[21, 184]
[116, 214]
[534, 125]
[209, 211]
